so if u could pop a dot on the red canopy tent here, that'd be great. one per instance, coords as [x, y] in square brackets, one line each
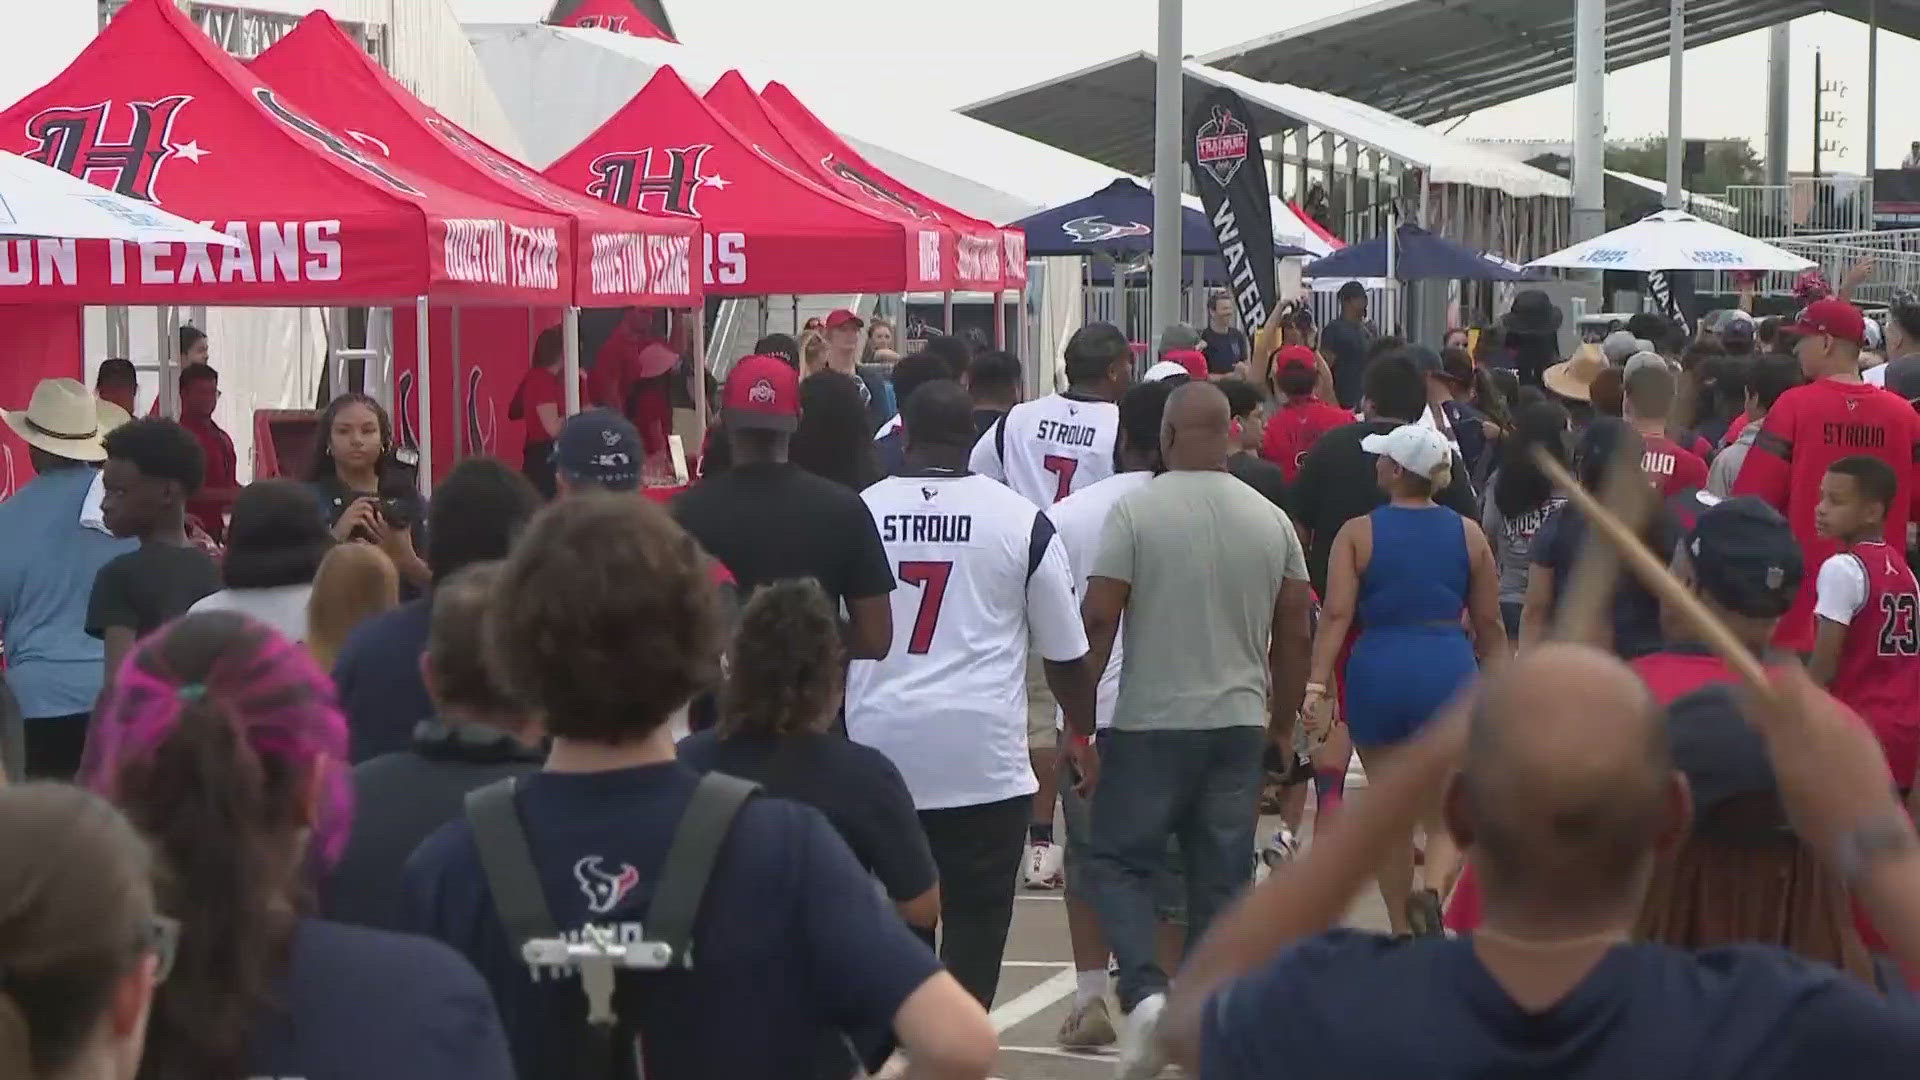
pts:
[991, 250]
[962, 257]
[619, 16]
[768, 228]
[619, 257]
[153, 109]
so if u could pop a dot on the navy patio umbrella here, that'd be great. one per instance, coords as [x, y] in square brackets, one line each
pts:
[1418, 256]
[1117, 221]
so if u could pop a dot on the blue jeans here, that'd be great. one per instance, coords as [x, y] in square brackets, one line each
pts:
[1201, 787]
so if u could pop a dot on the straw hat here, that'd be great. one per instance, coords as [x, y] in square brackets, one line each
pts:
[1573, 377]
[63, 419]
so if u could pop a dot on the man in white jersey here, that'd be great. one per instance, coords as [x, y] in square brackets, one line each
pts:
[1080, 518]
[1046, 449]
[982, 573]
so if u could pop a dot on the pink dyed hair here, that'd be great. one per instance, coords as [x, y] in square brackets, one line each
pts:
[280, 703]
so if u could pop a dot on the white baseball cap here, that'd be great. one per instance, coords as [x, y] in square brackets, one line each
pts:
[1418, 449]
[1165, 369]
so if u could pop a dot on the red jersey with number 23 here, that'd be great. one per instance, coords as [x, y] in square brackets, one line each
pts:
[1051, 447]
[1870, 590]
[1807, 430]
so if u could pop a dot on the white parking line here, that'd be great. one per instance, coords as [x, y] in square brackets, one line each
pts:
[1055, 987]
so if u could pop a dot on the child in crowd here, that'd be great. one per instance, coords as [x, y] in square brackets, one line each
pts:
[153, 467]
[1866, 647]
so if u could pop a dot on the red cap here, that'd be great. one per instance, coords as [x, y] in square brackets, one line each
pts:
[1193, 360]
[761, 392]
[840, 317]
[1295, 356]
[1831, 316]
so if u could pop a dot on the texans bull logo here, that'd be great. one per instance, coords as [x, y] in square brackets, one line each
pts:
[481, 423]
[875, 189]
[1220, 146]
[604, 890]
[1098, 230]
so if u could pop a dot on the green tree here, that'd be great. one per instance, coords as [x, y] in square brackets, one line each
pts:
[1729, 162]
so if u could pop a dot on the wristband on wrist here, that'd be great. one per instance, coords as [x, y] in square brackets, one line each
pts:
[1317, 688]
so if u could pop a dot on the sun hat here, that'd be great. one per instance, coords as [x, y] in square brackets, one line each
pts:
[63, 419]
[1573, 377]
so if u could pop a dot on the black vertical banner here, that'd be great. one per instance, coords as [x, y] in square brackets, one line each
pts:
[1223, 149]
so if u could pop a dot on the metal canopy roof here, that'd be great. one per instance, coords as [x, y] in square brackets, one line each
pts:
[1106, 113]
[1430, 60]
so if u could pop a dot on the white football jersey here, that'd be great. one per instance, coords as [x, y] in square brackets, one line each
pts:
[1050, 448]
[1081, 517]
[982, 573]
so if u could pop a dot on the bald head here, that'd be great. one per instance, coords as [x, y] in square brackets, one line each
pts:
[1569, 786]
[1193, 432]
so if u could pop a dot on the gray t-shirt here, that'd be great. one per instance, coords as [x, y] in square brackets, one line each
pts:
[1205, 555]
[1512, 540]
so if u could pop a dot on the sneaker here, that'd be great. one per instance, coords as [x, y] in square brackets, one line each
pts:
[1045, 866]
[1281, 849]
[1088, 1027]
[1140, 1057]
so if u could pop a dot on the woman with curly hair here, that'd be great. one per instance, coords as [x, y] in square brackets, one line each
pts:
[776, 714]
[222, 744]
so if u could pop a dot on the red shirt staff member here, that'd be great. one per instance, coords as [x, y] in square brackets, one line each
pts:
[199, 394]
[540, 403]
[1305, 416]
[1811, 427]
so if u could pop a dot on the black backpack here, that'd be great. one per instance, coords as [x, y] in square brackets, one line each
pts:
[514, 881]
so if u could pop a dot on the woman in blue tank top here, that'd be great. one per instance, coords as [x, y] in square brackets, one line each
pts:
[1410, 569]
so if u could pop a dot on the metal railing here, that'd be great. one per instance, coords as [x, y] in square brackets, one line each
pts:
[1805, 204]
[1893, 256]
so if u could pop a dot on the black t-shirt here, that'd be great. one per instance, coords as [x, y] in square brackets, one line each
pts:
[1635, 613]
[858, 789]
[377, 1006]
[1348, 1004]
[794, 944]
[1336, 484]
[1261, 475]
[1223, 348]
[769, 523]
[984, 419]
[148, 586]
[378, 676]
[1345, 343]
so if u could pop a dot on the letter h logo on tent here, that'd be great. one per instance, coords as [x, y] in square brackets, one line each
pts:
[74, 140]
[629, 179]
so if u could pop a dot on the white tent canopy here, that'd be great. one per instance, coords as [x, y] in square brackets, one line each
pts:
[1673, 240]
[37, 201]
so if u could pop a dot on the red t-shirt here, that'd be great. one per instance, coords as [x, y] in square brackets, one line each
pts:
[222, 475]
[1672, 466]
[1807, 430]
[1734, 429]
[1869, 590]
[537, 387]
[1295, 427]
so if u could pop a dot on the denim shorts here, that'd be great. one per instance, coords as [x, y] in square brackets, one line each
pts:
[1169, 885]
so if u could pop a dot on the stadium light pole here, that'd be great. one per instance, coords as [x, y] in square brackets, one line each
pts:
[1168, 124]
[1676, 91]
[1589, 118]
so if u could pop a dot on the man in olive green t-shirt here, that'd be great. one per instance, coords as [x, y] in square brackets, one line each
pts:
[1213, 584]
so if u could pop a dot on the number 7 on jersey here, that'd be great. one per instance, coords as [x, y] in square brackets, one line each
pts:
[931, 579]
[1062, 469]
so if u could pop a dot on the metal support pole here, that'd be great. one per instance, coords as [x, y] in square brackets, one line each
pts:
[1020, 350]
[760, 307]
[460, 447]
[423, 383]
[1168, 122]
[1391, 323]
[1589, 119]
[570, 360]
[167, 324]
[946, 311]
[699, 313]
[1819, 88]
[1676, 91]
[1353, 188]
[1779, 98]
[1873, 85]
[999, 318]
[1300, 164]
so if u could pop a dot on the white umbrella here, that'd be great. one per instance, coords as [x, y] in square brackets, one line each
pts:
[37, 201]
[1673, 240]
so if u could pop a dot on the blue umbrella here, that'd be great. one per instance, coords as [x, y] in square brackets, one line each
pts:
[1117, 221]
[1418, 255]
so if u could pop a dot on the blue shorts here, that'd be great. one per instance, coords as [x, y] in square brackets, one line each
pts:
[1399, 677]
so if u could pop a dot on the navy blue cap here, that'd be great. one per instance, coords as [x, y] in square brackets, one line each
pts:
[599, 446]
[1745, 557]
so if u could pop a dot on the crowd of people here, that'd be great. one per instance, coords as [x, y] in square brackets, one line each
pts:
[544, 777]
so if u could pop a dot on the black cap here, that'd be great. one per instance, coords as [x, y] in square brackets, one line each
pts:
[1903, 377]
[600, 447]
[1745, 557]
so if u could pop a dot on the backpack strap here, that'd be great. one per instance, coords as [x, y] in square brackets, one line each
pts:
[696, 847]
[512, 876]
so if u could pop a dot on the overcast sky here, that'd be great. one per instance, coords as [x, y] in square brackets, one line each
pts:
[952, 54]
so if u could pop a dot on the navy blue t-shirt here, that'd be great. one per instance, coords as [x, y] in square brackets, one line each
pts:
[378, 676]
[1349, 1004]
[792, 942]
[1635, 613]
[359, 1004]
